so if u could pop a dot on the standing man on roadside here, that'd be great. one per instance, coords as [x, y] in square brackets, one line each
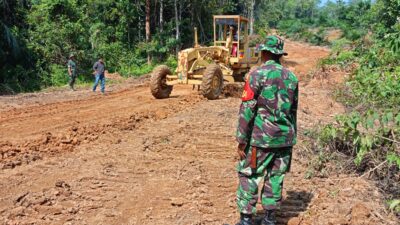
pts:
[99, 69]
[266, 133]
[72, 71]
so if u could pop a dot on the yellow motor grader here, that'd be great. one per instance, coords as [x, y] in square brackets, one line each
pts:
[209, 67]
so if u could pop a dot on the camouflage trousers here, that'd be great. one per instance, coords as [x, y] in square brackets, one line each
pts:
[272, 164]
[72, 79]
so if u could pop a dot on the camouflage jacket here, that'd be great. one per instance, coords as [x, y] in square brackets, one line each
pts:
[71, 64]
[268, 113]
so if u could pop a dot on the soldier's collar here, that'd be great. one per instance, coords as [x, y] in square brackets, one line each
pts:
[270, 62]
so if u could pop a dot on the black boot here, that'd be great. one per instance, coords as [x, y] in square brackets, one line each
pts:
[269, 218]
[245, 219]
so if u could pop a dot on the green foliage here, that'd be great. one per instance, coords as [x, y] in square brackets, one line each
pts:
[59, 75]
[358, 135]
[394, 159]
[376, 87]
[307, 20]
[36, 36]
[298, 30]
[339, 55]
[172, 62]
[16, 79]
[394, 205]
[345, 58]
[339, 45]
[363, 142]
[135, 70]
[17, 72]
[131, 69]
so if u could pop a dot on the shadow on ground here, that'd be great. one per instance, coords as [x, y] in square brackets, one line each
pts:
[293, 205]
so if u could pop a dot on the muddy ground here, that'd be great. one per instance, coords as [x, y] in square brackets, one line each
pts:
[126, 158]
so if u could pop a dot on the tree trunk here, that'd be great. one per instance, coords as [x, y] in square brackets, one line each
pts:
[252, 5]
[177, 23]
[148, 34]
[161, 16]
[202, 34]
[140, 24]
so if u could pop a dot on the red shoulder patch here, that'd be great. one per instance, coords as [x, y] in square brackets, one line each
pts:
[248, 93]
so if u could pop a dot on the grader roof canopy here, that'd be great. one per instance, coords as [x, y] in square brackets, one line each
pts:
[230, 17]
[230, 22]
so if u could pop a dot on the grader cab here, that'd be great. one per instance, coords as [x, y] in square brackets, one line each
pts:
[228, 60]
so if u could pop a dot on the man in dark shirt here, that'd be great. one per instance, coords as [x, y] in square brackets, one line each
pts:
[99, 69]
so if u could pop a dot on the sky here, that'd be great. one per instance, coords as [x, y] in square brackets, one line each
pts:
[325, 1]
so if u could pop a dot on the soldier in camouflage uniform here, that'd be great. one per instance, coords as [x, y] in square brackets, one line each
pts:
[72, 71]
[266, 133]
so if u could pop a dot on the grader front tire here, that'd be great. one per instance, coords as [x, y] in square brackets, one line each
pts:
[158, 86]
[213, 82]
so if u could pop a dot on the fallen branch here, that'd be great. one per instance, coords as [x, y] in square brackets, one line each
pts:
[388, 139]
[373, 169]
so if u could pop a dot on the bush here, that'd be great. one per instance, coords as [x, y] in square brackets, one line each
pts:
[345, 58]
[303, 30]
[18, 79]
[138, 67]
[172, 62]
[376, 87]
[352, 33]
[341, 54]
[340, 45]
[135, 70]
[365, 143]
[58, 75]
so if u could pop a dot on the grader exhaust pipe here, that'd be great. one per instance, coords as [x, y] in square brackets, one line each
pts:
[196, 41]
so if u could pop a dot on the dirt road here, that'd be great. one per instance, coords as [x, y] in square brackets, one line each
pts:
[125, 158]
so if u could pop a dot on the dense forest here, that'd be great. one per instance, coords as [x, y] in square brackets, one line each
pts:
[38, 35]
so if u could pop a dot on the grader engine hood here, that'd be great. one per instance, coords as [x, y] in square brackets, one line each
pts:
[193, 61]
[183, 65]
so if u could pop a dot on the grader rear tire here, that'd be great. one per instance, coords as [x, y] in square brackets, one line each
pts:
[213, 82]
[158, 86]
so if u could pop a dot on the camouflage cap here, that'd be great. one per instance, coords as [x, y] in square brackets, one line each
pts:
[273, 44]
[71, 55]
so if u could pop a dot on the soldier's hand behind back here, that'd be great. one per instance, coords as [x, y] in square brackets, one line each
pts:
[241, 153]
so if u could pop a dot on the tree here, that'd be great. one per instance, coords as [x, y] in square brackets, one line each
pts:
[161, 24]
[148, 31]
[177, 23]
[16, 61]
[251, 5]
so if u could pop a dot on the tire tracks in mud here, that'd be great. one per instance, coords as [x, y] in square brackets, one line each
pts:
[35, 140]
[162, 174]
